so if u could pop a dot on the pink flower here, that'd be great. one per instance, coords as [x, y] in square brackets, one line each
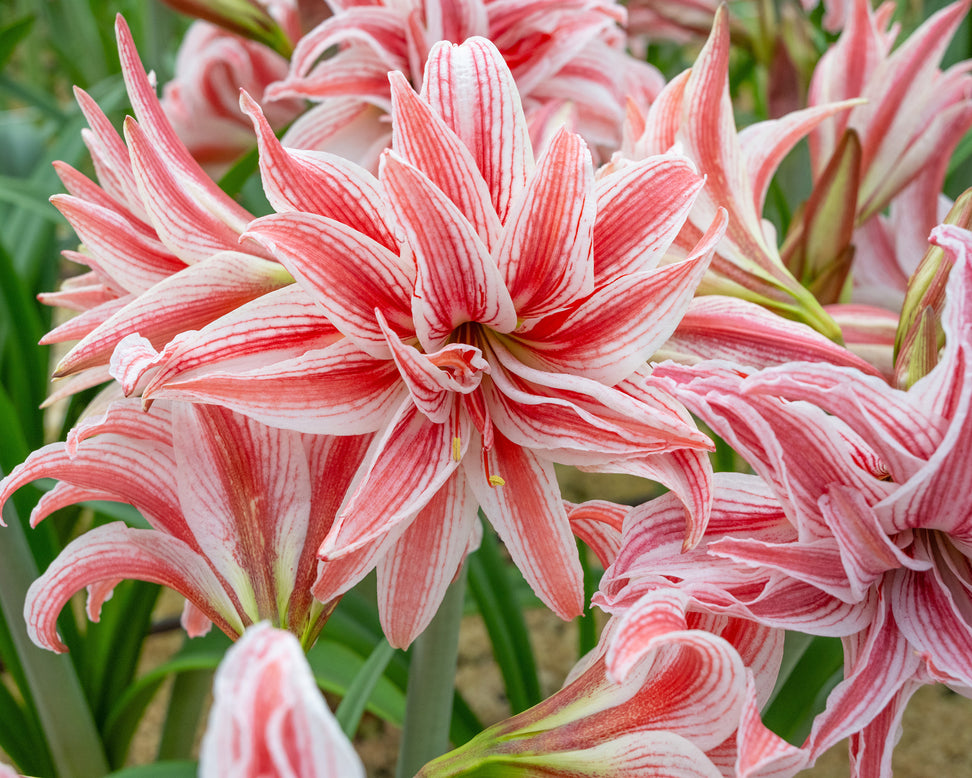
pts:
[915, 114]
[668, 691]
[567, 58]
[694, 111]
[683, 21]
[508, 331]
[237, 512]
[161, 239]
[268, 718]
[202, 100]
[877, 492]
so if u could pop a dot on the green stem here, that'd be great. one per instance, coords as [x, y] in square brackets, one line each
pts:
[431, 681]
[61, 706]
[189, 693]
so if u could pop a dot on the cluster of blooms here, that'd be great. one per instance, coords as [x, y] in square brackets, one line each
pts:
[499, 241]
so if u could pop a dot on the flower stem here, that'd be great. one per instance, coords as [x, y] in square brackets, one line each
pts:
[431, 684]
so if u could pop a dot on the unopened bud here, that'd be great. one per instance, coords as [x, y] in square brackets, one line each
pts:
[920, 334]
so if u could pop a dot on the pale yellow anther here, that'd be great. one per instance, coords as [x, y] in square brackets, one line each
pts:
[457, 448]
[495, 480]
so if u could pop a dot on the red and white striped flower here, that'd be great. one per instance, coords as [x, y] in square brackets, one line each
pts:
[494, 316]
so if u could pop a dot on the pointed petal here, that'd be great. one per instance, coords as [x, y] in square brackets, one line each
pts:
[640, 210]
[189, 300]
[472, 89]
[318, 183]
[528, 513]
[414, 576]
[546, 253]
[336, 390]
[457, 280]
[166, 144]
[131, 260]
[556, 412]
[276, 326]
[425, 141]
[624, 322]
[347, 273]
[931, 609]
[720, 327]
[133, 471]
[408, 463]
[883, 664]
[183, 224]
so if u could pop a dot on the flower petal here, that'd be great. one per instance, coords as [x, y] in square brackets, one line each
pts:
[472, 89]
[528, 513]
[114, 551]
[457, 280]
[546, 253]
[347, 273]
[408, 463]
[268, 716]
[624, 322]
[414, 575]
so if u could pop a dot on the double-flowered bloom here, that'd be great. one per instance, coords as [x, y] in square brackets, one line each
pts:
[873, 481]
[499, 322]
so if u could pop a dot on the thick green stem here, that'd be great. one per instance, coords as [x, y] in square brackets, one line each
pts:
[189, 693]
[59, 700]
[431, 684]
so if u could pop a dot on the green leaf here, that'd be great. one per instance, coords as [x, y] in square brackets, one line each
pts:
[353, 705]
[12, 34]
[489, 583]
[811, 668]
[112, 645]
[335, 667]
[23, 195]
[21, 737]
[190, 690]
[587, 632]
[196, 654]
[53, 685]
[180, 769]
[233, 179]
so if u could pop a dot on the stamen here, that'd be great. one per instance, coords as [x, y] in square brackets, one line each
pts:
[492, 479]
[457, 448]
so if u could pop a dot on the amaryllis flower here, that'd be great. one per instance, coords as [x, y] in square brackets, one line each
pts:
[695, 112]
[237, 512]
[268, 718]
[568, 60]
[877, 491]
[508, 331]
[670, 692]
[161, 239]
[914, 114]
[202, 99]
[683, 21]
